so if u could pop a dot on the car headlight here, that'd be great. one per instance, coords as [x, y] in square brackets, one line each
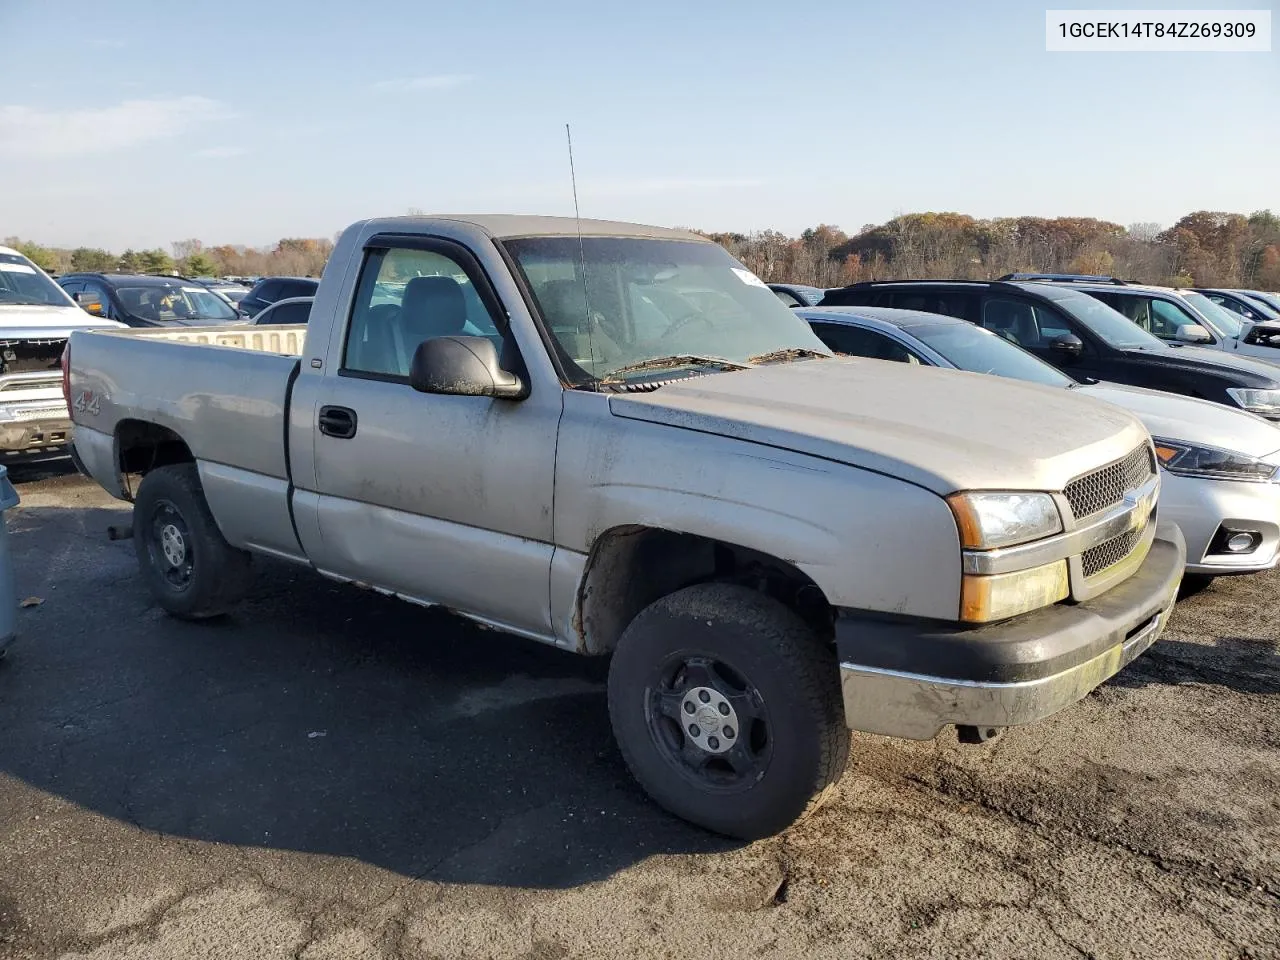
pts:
[1210, 463]
[1265, 403]
[990, 520]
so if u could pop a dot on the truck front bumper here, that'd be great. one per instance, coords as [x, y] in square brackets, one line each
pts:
[34, 426]
[908, 679]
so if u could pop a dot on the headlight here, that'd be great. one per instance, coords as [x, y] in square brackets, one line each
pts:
[1265, 403]
[1004, 595]
[1209, 463]
[989, 520]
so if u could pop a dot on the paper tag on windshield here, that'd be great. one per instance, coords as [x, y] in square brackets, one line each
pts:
[749, 278]
[16, 268]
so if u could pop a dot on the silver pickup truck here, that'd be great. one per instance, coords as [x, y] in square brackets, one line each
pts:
[615, 439]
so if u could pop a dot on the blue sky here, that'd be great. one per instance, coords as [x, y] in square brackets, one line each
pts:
[140, 122]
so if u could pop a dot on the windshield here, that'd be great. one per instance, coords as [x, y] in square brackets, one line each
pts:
[1108, 325]
[175, 303]
[1220, 318]
[650, 299]
[22, 282]
[234, 294]
[981, 351]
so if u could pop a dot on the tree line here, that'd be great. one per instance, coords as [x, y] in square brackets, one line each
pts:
[1205, 248]
[293, 256]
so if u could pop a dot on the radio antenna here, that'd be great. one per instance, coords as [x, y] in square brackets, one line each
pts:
[582, 254]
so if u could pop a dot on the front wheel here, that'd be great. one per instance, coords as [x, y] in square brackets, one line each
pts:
[190, 568]
[727, 709]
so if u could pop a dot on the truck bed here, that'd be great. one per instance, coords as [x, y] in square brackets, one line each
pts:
[222, 390]
[285, 340]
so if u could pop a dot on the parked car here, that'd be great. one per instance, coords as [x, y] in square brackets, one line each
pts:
[270, 289]
[797, 294]
[291, 311]
[1220, 466]
[1081, 336]
[1264, 297]
[233, 293]
[774, 544]
[36, 318]
[1176, 316]
[1247, 306]
[142, 300]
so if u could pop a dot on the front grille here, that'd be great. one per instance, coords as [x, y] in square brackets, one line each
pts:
[1096, 491]
[1108, 554]
[29, 356]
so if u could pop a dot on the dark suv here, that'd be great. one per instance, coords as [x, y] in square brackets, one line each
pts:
[142, 300]
[1081, 336]
[1179, 316]
[270, 289]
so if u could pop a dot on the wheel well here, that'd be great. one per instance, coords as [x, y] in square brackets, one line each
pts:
[630, 567]
[142, 446]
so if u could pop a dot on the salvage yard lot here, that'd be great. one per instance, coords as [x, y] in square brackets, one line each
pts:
[334, 774]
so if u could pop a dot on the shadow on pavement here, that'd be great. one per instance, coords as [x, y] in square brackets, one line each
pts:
[1238, 663]
[319, 718]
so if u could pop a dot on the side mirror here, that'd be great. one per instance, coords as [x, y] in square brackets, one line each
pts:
[1069, 346]
[89, 303]
[1193, 333]
[464, 367]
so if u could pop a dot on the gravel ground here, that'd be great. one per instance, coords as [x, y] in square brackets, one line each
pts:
[331, 774]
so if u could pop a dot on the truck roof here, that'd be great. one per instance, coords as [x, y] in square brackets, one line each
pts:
[503, 226]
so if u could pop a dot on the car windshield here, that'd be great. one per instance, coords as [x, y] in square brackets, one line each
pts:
[165, 302]
[1108, 325]
[1220, 318]
[981, 351]
[649, 300]
[22, 282]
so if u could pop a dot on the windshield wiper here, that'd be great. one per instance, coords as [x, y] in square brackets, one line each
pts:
[790, 353]
[27, 303]
[680, 360]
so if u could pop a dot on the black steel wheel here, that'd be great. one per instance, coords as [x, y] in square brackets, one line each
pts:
[727, 709]
[190, 568]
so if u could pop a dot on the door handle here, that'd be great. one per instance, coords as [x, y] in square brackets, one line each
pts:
[338, 422]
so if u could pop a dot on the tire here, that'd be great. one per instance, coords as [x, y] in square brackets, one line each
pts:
[781, 684]
[213, 576]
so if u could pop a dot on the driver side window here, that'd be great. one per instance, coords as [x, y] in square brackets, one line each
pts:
[407, 296]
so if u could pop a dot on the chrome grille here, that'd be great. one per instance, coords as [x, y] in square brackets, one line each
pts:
[1108, 554]
[1096, 491]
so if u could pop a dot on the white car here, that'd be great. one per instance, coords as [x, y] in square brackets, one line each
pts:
[36, 318]
[1221, 467]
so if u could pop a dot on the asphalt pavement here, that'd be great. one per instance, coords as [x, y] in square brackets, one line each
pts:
[331, 773]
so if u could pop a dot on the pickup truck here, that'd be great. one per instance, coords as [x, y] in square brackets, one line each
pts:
[615, 439]
[36, 317]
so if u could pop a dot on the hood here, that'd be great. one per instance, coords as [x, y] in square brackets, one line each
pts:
[1191, 421]
[23, 322]
[945, 430]
[1251, 371]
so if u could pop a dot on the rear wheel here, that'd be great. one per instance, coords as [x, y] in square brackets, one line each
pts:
[189, 567]
[727, 709]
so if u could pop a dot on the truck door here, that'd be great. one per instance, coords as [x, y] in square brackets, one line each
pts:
[444, 499]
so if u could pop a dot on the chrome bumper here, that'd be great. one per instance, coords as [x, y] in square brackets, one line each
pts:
[33, 426]
[1007, 674]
